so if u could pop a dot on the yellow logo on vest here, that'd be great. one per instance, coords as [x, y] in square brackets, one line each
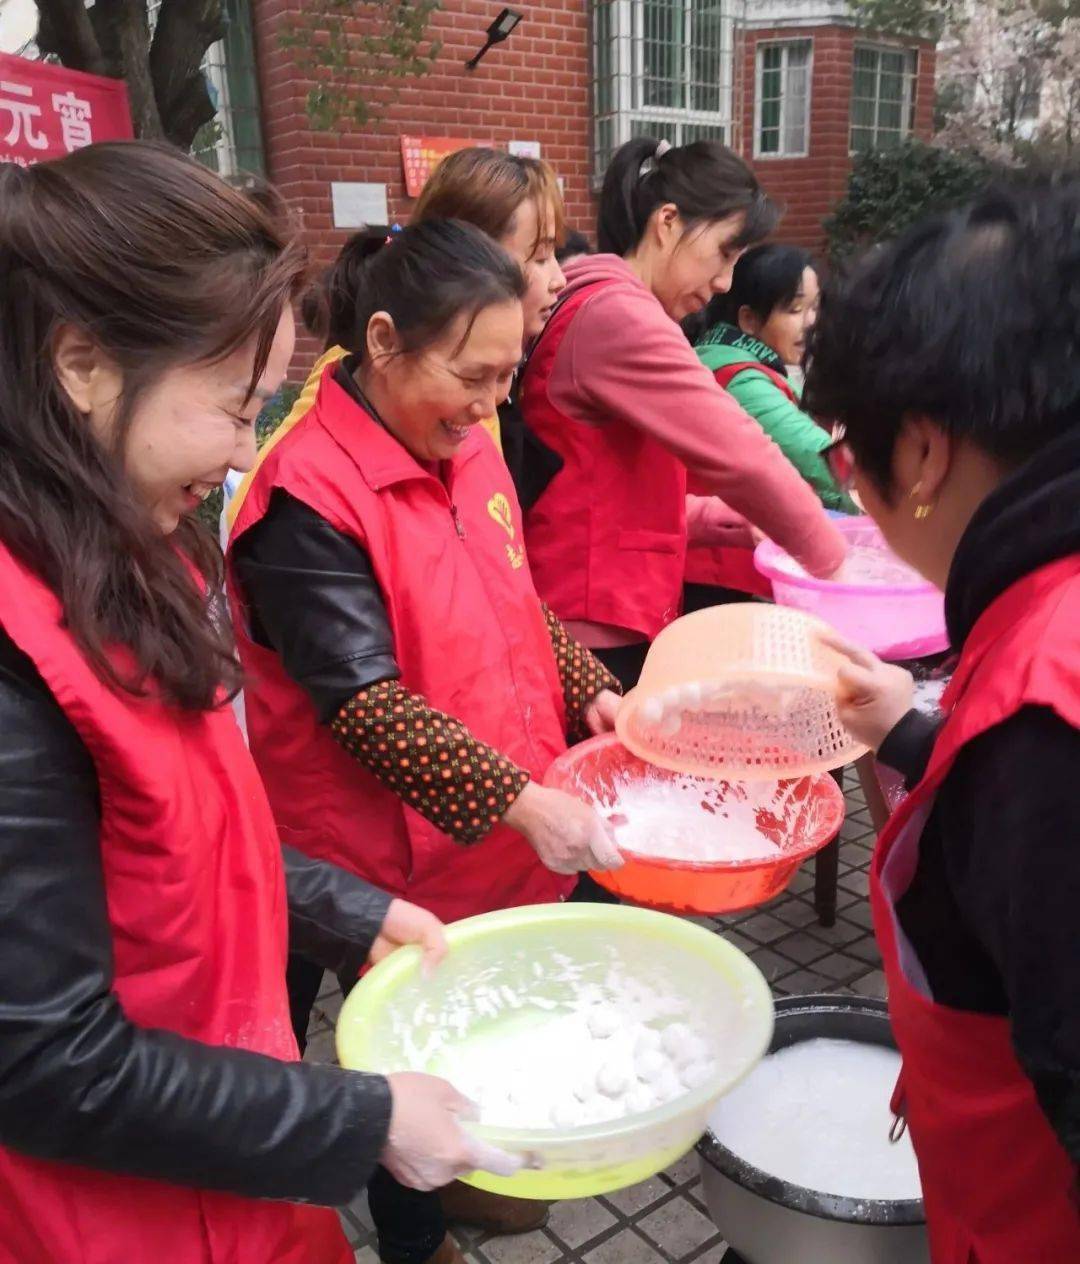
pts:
[498, 508]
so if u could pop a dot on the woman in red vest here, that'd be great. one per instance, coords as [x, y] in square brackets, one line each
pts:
[953, 360]
[615, 389]
[152, 1107]
[747, 338]
[406, 690]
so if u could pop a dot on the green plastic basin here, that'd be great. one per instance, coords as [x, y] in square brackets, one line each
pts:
[396, 1020]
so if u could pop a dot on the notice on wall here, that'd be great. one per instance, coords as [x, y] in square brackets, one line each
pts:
[524, 148]
[420, 155]
[356, 205]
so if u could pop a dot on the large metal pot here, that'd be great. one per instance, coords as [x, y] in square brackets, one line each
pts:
[769, 1221]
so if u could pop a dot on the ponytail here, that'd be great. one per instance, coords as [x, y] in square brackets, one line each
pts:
[705, 180]
[424, 276]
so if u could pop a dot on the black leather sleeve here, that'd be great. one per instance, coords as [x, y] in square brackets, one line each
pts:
[908, 747]
[334, 916]
[311, 595]
[79, 1082]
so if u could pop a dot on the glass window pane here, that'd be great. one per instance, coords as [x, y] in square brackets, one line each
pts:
[770, 114]
[769, 141]
[862, 114]
[795, 125]
[862, 139]
[770, 85]
[890, 114]
[799, 53]
[771, 57]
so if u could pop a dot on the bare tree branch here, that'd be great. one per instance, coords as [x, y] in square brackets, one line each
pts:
[65, 30]
[185, 30]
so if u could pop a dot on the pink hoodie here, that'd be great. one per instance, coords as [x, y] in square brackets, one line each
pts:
[623, 356]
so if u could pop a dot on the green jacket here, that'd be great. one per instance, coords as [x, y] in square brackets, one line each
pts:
[795, 433]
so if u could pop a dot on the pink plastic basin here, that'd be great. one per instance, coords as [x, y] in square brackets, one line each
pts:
[885, 606]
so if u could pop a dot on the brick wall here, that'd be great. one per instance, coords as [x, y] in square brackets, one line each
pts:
[810, 187]
[535, 86]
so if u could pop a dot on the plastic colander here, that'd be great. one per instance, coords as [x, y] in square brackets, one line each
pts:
[800, 815]
[743, 692]
[397, 1020]
[885, 605]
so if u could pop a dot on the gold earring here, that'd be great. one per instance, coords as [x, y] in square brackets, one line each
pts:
[922, 512]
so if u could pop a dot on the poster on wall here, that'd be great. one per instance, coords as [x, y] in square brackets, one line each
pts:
[48, 111]
[420, 155]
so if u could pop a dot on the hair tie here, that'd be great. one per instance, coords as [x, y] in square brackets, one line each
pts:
[651, 163]
[394, 230]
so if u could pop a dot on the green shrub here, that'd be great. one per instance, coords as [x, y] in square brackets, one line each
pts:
[888, 190]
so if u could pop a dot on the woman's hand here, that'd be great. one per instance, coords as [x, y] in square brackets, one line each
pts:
[565, 833]
[601, 712]
[874, 696]
[407, 923]
[426, 1147]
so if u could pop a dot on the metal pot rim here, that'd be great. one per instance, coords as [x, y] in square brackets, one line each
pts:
[809, 1201]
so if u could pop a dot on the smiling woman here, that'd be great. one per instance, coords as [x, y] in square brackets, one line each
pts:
[407, 689]
[143, 1021]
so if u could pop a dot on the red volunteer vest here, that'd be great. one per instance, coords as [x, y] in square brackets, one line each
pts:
[998, 1186]
[607, 539]
[723, 566]
[196, 904]
[469, 637]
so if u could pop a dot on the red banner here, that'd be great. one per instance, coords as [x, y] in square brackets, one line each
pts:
[420, 155]
[48, 111]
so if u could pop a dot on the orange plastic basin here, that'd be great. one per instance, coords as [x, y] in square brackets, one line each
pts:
[808, 814]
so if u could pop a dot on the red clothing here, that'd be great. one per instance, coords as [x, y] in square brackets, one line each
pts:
[730, 563]
[623, 364]
[196, 903]
[607, 539]
[997, 1183]
[469, 638]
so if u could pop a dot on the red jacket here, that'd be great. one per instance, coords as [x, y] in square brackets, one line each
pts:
[196, 904]
[607, 539]
[469, 637]
[998, 1185]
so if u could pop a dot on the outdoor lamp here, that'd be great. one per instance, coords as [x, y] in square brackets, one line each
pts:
[499, 30]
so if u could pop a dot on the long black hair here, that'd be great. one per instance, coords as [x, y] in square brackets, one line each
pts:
[162, 264]
[705, 180]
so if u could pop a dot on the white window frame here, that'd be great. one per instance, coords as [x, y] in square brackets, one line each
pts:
[759, 58]
[629, 114]
[911, 90]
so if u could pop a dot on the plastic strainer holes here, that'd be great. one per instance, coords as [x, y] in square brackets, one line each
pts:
[745, 691]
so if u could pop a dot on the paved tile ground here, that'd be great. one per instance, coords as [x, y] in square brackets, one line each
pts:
[664, 1220]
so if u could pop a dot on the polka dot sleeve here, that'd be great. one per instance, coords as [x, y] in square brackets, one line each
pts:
[582, 674]
[429, 760]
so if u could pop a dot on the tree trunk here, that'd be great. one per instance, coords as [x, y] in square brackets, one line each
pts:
[165, 82]
[185, 30]
[123, 33]
[65, 30]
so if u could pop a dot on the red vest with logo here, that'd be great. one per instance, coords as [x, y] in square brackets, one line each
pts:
[607, 539]
[725, 566]
[469, 637]
[196, 904]
[998, 1185]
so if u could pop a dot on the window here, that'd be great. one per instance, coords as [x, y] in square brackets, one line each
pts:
[231, 143]
[882, 97]
[782, 100]
[660, 68]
